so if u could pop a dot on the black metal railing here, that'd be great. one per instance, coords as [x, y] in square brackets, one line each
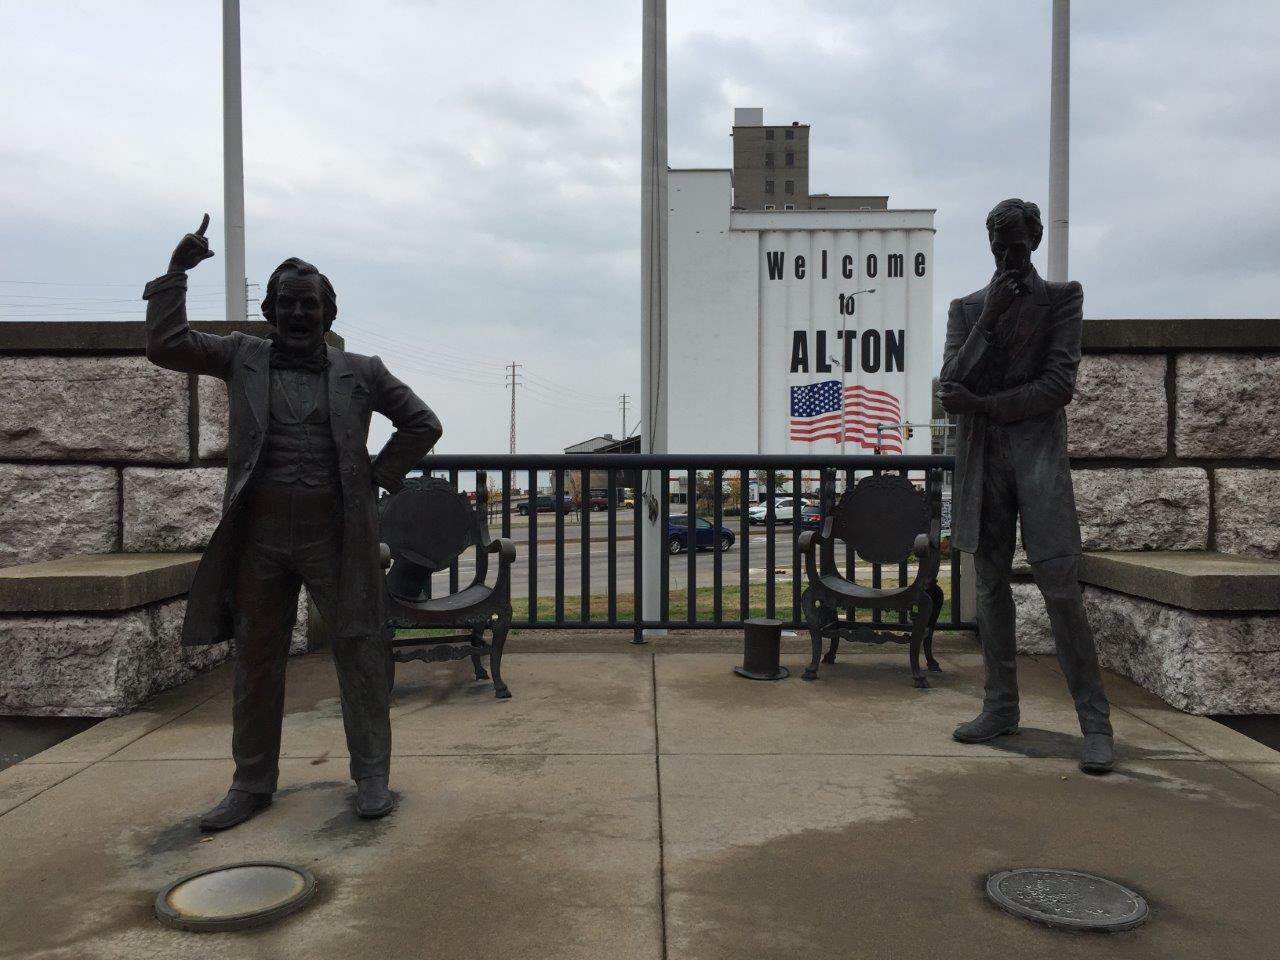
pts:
[717, 489]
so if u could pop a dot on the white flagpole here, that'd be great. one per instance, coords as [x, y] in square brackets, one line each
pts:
[653, 293]
[1059, 139]
[232, 164]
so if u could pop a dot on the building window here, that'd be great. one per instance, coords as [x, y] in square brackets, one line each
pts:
[788, 206]
[768, 134]
[788, 186]
[791, 133]
[791, 159]
[768, 158]
[768, 186]
[769, 206]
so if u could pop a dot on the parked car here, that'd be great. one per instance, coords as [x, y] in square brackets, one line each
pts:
[598, 502]
[705, 534]
[545, 504]
[782, 509]
[811, 516]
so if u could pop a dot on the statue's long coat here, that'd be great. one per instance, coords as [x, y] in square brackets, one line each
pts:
[1039, 381]
[358, 386]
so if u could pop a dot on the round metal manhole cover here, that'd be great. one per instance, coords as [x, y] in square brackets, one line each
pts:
[235, 896]
[1067, 899]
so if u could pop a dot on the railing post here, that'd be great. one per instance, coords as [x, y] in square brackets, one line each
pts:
[653, 542]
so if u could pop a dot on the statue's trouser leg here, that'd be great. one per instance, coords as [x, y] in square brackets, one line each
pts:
[1073, 639]
[266, 607]
[364, 664]
[993, 563]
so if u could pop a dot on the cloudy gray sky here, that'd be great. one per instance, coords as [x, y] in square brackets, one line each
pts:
[467, 174]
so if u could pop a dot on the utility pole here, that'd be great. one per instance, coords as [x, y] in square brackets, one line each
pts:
[232, 164]
[513, 378]
[1059, 139]
[622, 402]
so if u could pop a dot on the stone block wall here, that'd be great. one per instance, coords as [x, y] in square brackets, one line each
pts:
[105, 664]
[1202, 663]
[1174, 436]
[101, 451]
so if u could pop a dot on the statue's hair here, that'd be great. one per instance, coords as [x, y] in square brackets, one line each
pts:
[1005, 212]
[302, 269]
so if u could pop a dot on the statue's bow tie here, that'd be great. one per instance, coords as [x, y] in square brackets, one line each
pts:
[317, 362]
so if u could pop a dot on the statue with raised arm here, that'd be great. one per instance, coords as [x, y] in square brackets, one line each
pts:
[299, 508]
[1008, 373]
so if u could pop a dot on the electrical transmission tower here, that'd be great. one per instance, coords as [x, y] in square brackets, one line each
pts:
[513, 378]
[248, 300]
[622, 402]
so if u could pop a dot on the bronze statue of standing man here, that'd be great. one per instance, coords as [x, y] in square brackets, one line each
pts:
[1008, 373]
[300, 508]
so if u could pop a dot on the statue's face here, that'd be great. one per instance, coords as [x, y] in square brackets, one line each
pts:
[1011, 246]
[299, 314]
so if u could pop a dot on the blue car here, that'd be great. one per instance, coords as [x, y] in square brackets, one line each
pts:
[706, 535]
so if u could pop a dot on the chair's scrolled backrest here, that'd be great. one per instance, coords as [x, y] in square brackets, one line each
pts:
[429, 524]
[881, 517]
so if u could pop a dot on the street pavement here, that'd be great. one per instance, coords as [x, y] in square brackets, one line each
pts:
[643, 802]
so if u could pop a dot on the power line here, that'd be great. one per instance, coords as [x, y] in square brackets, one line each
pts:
[81, 283]
[569, 391]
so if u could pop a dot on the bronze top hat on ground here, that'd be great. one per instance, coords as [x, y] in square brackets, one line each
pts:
[761, 650]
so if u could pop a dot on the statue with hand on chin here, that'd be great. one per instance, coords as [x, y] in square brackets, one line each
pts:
[1008, 373]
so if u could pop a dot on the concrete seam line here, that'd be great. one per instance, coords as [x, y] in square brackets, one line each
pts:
[662, 843]
[1230, 765]
[74, 773]
[93, 763]
[1174, 736]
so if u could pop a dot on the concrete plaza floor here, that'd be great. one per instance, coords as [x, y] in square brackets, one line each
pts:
[645, 802]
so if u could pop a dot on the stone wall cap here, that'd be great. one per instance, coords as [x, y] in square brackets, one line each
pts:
[1183, 333]
[1191, 579]
[110, 336]
[96, 582]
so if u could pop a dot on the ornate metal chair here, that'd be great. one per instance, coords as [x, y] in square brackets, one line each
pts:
[885, 519]
[425, 527]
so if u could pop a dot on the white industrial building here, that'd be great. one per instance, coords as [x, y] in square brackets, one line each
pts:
[772, 343]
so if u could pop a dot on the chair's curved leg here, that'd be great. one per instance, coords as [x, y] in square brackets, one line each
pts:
[830, 656]
[919, 628]
[500, 627]
[477, 638]
[813, 618]
[935, 594]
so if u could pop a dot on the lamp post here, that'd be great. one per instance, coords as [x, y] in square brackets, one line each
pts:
[844, 367]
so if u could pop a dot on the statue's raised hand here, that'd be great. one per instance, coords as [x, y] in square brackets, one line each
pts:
[191, 249]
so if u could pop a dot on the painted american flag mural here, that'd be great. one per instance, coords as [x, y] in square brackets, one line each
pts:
[819, 412]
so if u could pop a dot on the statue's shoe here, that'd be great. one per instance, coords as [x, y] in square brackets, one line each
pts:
[984, 727]
[373, 799]
[1098, 754]
[236, 807]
